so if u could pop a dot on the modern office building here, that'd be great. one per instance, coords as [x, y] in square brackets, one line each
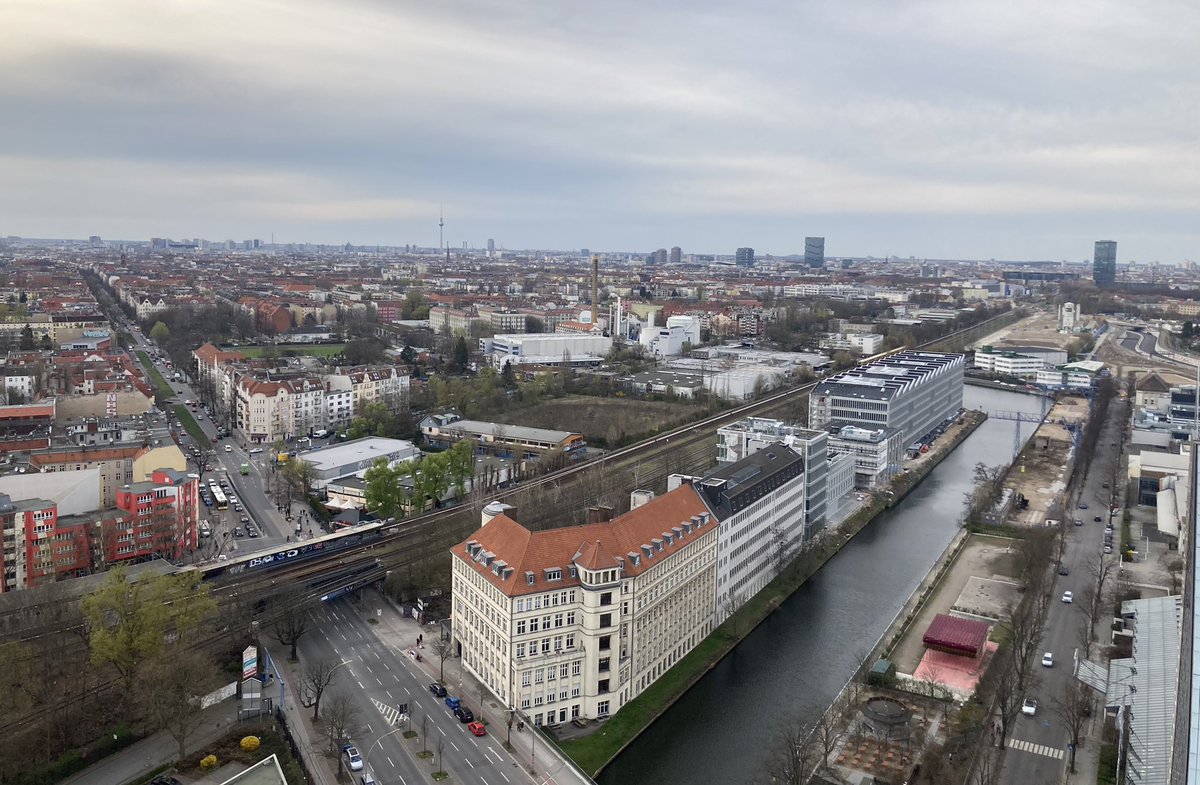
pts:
[545, 348]
[744, 257]
[876, 452]
[676, 254]
[910, 393]
[814, 251]
[1008, 363]
[356, 457]
[759, 502]
[1104, 263]
[573, 623]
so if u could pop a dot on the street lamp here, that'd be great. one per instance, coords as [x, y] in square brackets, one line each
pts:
[367, 754]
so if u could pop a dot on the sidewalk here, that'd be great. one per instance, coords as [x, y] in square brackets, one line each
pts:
[402, 631]
[157, 750]
[300, 723]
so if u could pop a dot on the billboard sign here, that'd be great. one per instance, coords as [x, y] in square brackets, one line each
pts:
[250, 662]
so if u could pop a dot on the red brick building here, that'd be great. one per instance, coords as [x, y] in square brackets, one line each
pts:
[163, 512]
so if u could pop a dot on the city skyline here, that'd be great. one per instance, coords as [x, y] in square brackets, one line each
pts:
[994, 132]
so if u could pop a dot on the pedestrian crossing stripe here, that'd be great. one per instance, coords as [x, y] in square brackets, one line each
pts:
[1036, 749]
[391, 714]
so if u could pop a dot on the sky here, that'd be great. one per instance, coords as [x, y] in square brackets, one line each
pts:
[1021, 129]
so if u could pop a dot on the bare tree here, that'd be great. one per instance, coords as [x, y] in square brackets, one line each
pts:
[315, 679]
[1026, 628]
[341, 721]
[424, 733]
[793, 756]
[1009, 696]
[170, 689]
[988, 762]
[292, 622]
[1073, 707]
[826, 733]
[1101, 567]
[441, 746]
[443, 648]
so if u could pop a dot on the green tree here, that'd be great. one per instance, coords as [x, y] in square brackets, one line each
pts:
[160, 333]
[462, 355]
[408, 356]
[129, 622]
[508, 376]
[376, 419]
[385, 494]
[27, 337]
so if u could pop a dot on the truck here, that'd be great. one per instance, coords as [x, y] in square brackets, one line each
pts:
[245, 468]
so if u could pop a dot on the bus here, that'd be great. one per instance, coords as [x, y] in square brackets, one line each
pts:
[219, 497]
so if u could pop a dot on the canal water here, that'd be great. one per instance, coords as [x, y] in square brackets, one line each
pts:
[798, 660]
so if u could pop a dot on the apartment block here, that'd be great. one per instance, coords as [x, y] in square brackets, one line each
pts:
[575, 622]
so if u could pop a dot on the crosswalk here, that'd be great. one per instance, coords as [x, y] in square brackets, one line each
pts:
[1036, 749]
[391, 715]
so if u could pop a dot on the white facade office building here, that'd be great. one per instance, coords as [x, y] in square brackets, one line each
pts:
[910, 392]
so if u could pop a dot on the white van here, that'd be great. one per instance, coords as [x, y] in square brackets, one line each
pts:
[321, 434]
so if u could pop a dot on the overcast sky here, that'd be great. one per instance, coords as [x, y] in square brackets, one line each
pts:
[1022, 129]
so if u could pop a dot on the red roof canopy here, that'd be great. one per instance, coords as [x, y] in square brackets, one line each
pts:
[956, 635]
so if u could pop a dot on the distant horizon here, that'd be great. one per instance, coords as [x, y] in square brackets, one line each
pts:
[546, 249]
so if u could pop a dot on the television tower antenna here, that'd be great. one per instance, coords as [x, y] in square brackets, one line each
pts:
[441, 223]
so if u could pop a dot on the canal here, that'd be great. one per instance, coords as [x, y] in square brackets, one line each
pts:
[799, 659]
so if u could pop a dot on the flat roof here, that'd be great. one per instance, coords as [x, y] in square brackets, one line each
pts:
[523, 432]
[956, 634]
[355, 451]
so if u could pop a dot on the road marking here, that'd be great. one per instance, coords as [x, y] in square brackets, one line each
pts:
[369, 728]
[502, 774]
[402, 782]
[390, 714]
[380, 682]
[441, 731]
[386, 665]
[344, 637]
[360, 686]
[406, 692]
[390, 763]
[1036, 749]
[468, 760]
[368, 667]
[389, 694]
[456, 749]
[482, 779]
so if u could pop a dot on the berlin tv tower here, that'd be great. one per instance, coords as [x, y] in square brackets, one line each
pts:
[441, 223]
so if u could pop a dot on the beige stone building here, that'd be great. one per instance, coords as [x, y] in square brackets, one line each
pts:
[572, 623]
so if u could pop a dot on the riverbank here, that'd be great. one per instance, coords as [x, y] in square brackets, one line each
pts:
[995, 385]
[592, 753]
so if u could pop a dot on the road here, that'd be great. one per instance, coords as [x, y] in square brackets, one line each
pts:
[1037, 748]
[378, 678]
[228, 456]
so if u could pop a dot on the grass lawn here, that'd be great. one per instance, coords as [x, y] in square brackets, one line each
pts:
[191, 426]
[164, 389]
[286, 350]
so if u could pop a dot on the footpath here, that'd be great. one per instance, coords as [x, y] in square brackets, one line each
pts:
[536, 754]
[157, 750]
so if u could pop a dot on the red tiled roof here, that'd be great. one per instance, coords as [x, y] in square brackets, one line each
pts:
[591, 546]
[956, 635]
[22, 411]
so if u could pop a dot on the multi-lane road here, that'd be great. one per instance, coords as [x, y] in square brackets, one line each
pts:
[379, 679]
[1037, 748]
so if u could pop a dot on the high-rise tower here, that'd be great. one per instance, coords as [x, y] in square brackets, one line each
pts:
[814, 251]
[1104, 263]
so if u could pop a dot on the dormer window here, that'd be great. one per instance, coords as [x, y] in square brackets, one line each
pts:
[529, 578]
[554, 574]
[658, 544]
[667, 537]
[648, 551]
[573, 571]
[634, 559]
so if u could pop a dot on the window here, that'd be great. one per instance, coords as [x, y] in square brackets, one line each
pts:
[571, 640]
[533, 624]
[525, 679]
[520, 650]
[570, 618]
[524, 703]
[539, 676]
[562, 670]
[554, 575]
[602, 687]
[602, 708]
[605, 642]
[576, 667]
[558, 642]
[606, 598]
[545, 645]
[575, 712]
[606, 620]
[603, 666]
[521, 626]
[558, 620]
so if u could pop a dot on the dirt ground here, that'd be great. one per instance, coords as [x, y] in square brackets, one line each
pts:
[609, 422]
[1040, 472]
[1041, 329]
[982, 557]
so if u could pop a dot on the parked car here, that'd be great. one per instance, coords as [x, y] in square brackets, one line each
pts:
[1108, 549]
[1062, 570]
[477, 728]
[354, 760]
[1096, 518]
[464, 714]
[229, 448]
[438, 690]
[256, 450]
[452, 702]
[237, 531]
[1083, 505]
[1048, 660]
[1068, 597]
[1029, 707]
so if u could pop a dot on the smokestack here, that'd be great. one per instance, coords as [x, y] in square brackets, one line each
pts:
[596, 287]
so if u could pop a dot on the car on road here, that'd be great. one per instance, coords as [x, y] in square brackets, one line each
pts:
[353, 759]
[452, 702]
[245, 519]
[1062, 570]
[1029, 707]
[1107, 549]
[1078, 521]
[256, 451]
[464, 714]
[1048, 660]
[1096, 519]
[237, 531]
[438, 690]
[1104, 485]
[477, 728]
[1083, 505]
[1068, 597]
[252, 532]
[229, 448]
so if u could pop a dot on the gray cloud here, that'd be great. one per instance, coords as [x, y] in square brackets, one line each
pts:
[1022, 129]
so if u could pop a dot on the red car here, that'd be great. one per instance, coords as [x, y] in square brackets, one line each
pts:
[477, 728]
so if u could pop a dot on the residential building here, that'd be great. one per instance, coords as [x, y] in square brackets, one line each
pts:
[1153, 392]
[1104, 263]
[861, 343]
[909, 393]
[573, 623]
[115, 465]
[1080, 375]
[33, 545]
[164, 512]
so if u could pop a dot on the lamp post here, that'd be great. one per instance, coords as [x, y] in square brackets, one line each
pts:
[367, 754]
